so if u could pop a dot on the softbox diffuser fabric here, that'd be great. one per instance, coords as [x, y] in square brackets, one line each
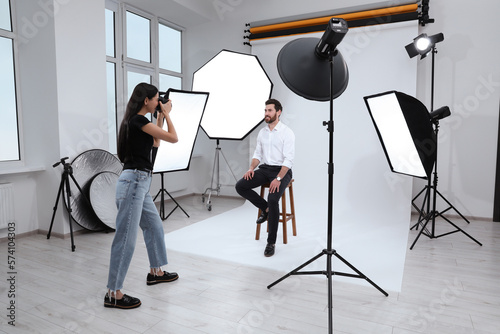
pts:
[187, 111]
[239, 88]
[405, 131]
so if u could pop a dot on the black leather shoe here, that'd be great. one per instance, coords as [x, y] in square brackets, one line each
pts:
[269, 251]
[126, 302]
[263, 217]
[166, 277]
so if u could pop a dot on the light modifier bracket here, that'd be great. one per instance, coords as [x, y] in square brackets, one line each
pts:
[423, 44]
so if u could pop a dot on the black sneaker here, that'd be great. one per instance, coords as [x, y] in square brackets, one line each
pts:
[269, 251]
[126, 302]
[166, 277]
[263, 217]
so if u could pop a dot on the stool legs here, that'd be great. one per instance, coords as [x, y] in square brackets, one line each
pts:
[284, 216]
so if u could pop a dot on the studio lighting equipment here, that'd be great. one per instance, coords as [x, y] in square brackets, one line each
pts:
[187, 111]
[422, 45]
[408, 134]
[82, 171]
[316, 70]
[440, 113]
[309, 75]
[404, 128]
[188, 108]
[428, 213]
[238, 87]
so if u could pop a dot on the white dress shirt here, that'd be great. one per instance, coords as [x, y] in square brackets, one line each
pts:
[276, 147]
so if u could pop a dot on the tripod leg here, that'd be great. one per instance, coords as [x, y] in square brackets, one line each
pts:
[177, 205]
[293, 272]
[451, 206]
[421, 210]
[361, 275]
[68, 198]
[415, 198]
[55, 206]
[227, 163]
[458, 230]
[428, 218]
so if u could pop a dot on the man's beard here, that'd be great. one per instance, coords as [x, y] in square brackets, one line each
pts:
[271, 119]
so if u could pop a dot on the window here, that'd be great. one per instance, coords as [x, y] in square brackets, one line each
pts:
[139, 48]
[138, 37]
[9, 130]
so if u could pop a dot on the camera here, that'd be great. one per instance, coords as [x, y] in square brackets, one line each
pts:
[161, 99]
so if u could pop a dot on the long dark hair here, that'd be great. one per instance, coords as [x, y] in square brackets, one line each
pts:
[134, 105]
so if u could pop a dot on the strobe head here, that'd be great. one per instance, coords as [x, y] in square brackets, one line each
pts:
[335, 31]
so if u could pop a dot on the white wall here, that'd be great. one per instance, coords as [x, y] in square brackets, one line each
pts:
[63, 91]
[34, 192]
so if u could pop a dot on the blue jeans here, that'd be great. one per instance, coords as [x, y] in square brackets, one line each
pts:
[135, 208]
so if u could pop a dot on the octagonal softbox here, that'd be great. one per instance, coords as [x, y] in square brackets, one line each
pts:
[238, 87]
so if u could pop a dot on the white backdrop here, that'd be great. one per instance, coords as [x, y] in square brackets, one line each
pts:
[371, 204]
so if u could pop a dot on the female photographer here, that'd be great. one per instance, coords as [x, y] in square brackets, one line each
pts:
[138, 141]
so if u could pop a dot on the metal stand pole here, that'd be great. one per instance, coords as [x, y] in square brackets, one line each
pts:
[329, 252]
[215, 176]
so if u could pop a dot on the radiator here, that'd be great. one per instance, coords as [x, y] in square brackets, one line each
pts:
[6, 204]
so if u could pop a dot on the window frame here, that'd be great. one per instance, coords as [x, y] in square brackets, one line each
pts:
[123, 63]
[21, 161]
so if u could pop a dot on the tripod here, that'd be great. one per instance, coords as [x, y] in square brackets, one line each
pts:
[429, 215]
[162, 192]
[67, 173]
[329, 252]
[216, 168]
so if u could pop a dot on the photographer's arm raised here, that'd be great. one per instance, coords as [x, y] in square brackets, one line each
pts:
[157, 131]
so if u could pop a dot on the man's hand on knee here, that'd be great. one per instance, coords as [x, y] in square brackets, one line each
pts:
[249, 174]
[274, 186]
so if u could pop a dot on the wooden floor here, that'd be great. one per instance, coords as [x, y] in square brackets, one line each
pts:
[450, 285]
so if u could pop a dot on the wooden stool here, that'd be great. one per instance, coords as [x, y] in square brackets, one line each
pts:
[284, 215]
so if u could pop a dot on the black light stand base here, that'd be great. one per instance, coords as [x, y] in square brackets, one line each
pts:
[329, 273]
[162, 192]
[431, 215]
[428, 213]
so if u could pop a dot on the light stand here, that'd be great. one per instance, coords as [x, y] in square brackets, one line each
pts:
[162, 193]
[427, 214]
[335, 24]
[65, 176]
[215, 176]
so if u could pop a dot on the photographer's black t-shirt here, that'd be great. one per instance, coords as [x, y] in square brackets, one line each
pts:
[139, 145]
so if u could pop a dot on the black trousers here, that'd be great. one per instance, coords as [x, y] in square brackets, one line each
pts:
[265, 174]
